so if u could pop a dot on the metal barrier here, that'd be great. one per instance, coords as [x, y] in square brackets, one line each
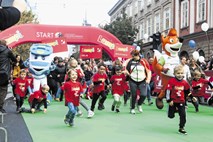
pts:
[2, 117]
[2, 128]
[5, 133]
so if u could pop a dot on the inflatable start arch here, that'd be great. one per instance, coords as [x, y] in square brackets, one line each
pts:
[36, 33]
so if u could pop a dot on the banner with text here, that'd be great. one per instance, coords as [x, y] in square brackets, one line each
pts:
[90, 51]
[58, 44]
[123, 51]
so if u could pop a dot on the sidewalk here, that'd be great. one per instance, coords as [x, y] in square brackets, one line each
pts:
[13, 122]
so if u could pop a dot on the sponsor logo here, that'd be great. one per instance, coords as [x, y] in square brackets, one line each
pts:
[89, 50]
[105, 42]
[14, 38]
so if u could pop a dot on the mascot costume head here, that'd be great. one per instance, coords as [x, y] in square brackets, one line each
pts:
[165, 62]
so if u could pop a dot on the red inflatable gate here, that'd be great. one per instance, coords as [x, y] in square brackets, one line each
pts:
[36, 33]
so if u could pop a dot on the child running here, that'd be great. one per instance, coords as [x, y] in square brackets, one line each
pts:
[199, 85]
[99, 79]
[176, 92]
[39, 98]
[21, 85]
[73, 90]
[118, 84]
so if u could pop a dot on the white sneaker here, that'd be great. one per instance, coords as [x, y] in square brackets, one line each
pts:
[140, 109]
[132, 111]
[79, 113]
[90, 114]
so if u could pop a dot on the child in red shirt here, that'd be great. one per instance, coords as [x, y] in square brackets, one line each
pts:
[21, 85]
[118, 82]
[30, 82]
[39, 98]
[176, 92]
[73, 90]
[99, 79]
[199, 85]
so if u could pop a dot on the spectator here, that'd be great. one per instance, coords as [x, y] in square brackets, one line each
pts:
[194, 66]
[6, 56]
[139, 76]
[187, 73]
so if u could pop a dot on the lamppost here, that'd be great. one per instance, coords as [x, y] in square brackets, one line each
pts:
[205, 27]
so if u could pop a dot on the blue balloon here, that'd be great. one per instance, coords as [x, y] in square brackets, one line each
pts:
[192, 43]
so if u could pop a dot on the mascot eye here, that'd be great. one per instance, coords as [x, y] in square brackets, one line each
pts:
[171, 40]
[36, 57]
[43, 58]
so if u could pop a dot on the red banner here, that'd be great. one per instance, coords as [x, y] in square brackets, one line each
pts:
[123, 51]
[87, 52]
[58, 44]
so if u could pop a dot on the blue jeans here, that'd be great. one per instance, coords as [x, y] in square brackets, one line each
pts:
[71, 112]
[58, 93]
[149, 93]
[49, 98]
[134, 86]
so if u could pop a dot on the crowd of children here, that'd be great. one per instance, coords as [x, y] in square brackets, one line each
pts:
[76, 80]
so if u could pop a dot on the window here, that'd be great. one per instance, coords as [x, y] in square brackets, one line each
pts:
[142, 5]
[148, 3]
[149, 26]
[167, 18]
[141, 30]
[157, 22]
[130, 10]
[136, 8]
[184, 13]
[201, 10]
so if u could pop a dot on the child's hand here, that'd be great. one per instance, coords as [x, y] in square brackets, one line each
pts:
[45, 110]
[125, 72]
[194, 99]
[171, 103]
[33, 110]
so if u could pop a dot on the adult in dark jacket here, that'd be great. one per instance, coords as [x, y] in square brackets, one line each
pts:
[6, 56]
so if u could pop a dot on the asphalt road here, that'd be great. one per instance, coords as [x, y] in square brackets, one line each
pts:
[13, 122]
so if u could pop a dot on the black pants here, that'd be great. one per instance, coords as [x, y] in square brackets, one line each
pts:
[3, 94]
[19, 101]
[95, 98]
[180, 108]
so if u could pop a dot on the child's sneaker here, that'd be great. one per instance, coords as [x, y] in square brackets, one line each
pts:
[132, 111]
[150, 103]
[117, 110]
[182, 131]
[90, 114]
[79, 113]
[57, 99]
[71, 123]
[140, 109]
[101, 107]
[112, 108]
[66, 120]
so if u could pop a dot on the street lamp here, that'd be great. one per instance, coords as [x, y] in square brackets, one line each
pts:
[205, 27]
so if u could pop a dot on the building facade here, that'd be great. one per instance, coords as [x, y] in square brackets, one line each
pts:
[186, 16]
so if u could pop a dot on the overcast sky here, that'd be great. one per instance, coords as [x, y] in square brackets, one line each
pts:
[73, 12]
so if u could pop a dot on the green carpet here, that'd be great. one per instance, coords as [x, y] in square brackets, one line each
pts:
[152, 125]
